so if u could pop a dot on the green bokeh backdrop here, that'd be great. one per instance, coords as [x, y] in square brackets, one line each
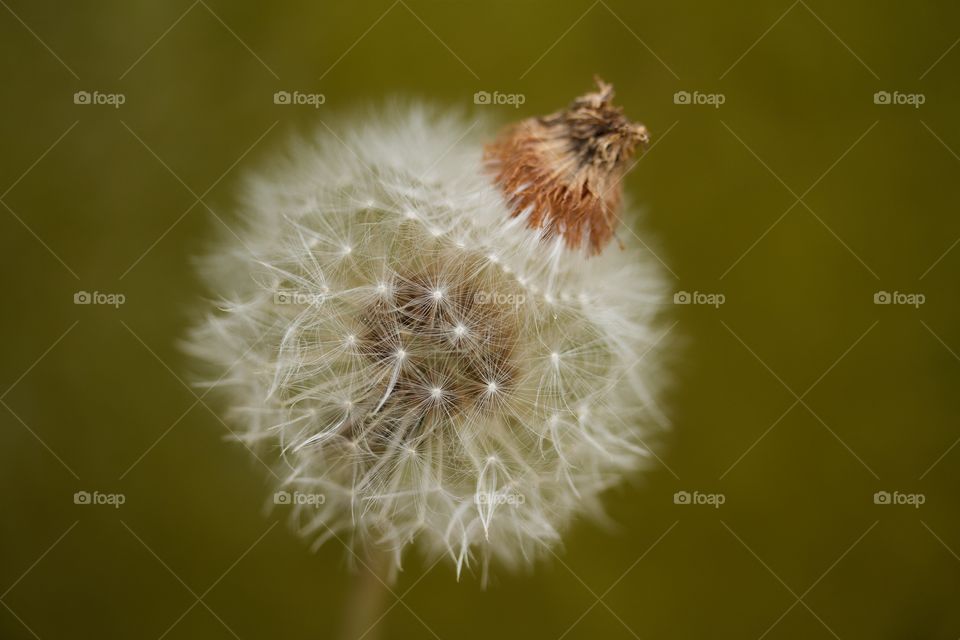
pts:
[797, 399]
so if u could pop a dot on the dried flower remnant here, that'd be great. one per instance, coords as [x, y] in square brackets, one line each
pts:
[563, 171]
[445, 374]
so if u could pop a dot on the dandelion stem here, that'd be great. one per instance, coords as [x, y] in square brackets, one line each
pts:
[365, 598]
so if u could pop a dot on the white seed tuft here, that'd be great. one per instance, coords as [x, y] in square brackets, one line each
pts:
[415, 397]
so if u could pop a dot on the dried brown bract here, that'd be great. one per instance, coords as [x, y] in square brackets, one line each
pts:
[564, 170]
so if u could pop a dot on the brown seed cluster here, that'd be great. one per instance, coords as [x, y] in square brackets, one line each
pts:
[564, 170]
[444, 349]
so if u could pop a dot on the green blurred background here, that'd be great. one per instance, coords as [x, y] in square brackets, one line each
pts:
[798, 399]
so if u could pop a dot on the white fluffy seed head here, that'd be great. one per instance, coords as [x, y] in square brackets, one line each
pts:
[468, 390]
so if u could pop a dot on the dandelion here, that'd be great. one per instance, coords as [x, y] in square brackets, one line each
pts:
[436, 336]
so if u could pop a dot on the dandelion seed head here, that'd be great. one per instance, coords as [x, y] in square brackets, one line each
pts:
[432, 383]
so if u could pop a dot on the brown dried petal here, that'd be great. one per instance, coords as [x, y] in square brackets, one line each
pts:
[564, 170]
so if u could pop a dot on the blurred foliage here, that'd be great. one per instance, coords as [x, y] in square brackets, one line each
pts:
[797, 199]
